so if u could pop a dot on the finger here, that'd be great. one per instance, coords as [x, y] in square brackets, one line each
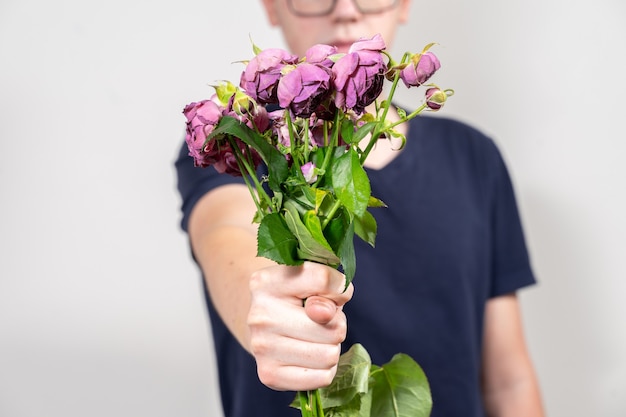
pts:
[320, 309]
[293, 378]
[320, 280]
[269, 317]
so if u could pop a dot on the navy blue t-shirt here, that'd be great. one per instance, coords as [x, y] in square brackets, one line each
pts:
[449, 240]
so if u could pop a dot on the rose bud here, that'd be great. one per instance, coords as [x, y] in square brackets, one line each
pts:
[435, 98]
[309, 172]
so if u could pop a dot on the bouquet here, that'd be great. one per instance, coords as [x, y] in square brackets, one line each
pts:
[310, 123]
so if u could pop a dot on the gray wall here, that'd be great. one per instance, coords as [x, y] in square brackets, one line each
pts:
[101, 312]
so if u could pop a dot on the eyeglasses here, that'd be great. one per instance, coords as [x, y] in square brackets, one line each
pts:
[312, 8]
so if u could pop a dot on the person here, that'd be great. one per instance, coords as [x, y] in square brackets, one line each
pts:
[440, 285]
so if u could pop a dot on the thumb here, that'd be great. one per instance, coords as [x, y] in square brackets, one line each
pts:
[320, 309]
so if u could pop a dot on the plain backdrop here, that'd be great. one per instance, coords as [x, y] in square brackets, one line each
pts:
[101, 309]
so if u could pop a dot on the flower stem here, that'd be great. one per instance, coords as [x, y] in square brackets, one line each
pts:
[305, 407]
[330, 148]
[331, 214]
[243, 162]
[317, 410]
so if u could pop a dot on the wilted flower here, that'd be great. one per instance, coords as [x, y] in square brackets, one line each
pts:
[202, 117]
[309, 172]
[260, 78]
[226, 161]
[359, 75]
[420, 69]
[304, 88]
[435, 98]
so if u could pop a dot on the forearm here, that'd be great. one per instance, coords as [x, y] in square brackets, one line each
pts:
[510, 387]
[223, 241]
[515, 398]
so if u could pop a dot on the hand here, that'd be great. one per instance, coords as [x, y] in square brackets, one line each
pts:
[297, 347]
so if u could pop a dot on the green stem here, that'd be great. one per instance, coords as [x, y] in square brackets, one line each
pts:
[331, 214]
[376, 133]
[305, 407]
[246, 166]
[318, 410]
[330, 150]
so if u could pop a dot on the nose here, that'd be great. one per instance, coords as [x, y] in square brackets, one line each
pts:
[345, 10]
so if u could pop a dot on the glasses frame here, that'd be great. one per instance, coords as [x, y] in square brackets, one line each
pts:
[334, 4]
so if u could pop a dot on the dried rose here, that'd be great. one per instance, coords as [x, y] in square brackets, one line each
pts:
[304, 88]
[359, 75]
[261, 75]
[202, 117]
[226, 161]
[420, 69]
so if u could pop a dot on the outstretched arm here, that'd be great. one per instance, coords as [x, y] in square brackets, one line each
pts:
[510, 386]
[296, 347]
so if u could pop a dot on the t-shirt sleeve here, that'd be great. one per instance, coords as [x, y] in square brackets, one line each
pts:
[194, 182]
[511, 263]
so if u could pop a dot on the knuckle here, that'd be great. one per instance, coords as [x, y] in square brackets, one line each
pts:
[326, 377]
[258, 279]
[267, 375]
[340, 329]
[332, 356]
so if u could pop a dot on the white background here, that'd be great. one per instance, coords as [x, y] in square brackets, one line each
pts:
[101, 311]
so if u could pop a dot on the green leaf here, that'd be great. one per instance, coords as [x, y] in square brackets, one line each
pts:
[375, 202]
[351, 183]
[347, 130]
[276, 242]
[347, 255]
[352, 377]
[363, 131]
[400, 389]
[312, 244]
[340, 234]
[276, 163]
[366, 228]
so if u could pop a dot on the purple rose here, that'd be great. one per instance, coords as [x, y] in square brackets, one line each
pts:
[262, 73]
[226, 161]
[303, 89]
[202, 117]
[359, 75]
[420, 69]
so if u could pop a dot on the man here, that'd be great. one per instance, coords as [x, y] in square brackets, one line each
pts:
[440, 284]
